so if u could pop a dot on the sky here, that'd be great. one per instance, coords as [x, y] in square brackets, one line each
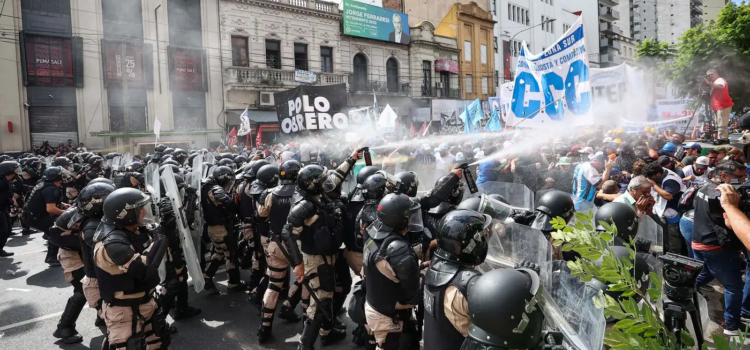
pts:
[737, 1]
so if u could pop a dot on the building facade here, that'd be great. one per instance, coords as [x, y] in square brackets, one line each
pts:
[674, 17]
[431, 11]
[711, 9]
[101, 72]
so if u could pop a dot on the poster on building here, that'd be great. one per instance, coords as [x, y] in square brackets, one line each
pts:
[312, 108]
[448, 113]
[374, 22]
[187, 69]
[618, 93]
[552, 89]
[506, 60]
[118, 68]
[49, 61]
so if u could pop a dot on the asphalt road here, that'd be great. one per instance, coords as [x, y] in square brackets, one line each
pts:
[31, 303]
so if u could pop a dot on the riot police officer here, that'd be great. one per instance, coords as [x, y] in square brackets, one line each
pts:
[8, 172]
[552, 204]
[255, 183]
[354, 206]
[130, 179]
[274, 204]
[126, 263]
[504, 318]
[31, 174]
[373, 190]
[621, 216]
[409, 183]
[220, 214]
[319, 232]
[90, 205]
[444, 197]
[462, 240]
[44, 205]
[392, 272]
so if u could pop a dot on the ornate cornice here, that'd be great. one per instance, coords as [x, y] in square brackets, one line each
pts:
[289, 8]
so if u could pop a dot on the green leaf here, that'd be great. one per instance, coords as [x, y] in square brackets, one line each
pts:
[628, 293]
[650, 332]
[614, 337]
[578, 225]
[655, 280]
[721, 343]
[653, 344]
[592, 255]
[626, 263]
[558, 223]
[557, 243]
[654, 294]
[626, 323]
[618, 315]
[586, 278]
[557, 235]
[637, 329]
[567, 248]
[581, 216]
[618, 287]
[606, 225]
[687, 340]
[598, 300]
[606, 236]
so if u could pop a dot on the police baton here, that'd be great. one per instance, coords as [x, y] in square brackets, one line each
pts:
[328, 313]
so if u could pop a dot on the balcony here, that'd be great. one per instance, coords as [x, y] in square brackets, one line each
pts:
[696, 2]
[609, 59]
[277, 78]
[380, 84]
[608, 14]
[318, 5]
[695, 21]
[609, 2]
[609, 28]
[695, 10]
[439, 91]
[609, 43]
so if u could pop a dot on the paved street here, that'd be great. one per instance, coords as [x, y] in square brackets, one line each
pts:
[31, 303]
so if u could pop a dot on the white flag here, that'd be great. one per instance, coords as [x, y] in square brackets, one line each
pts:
[157, 127]
[244, 124]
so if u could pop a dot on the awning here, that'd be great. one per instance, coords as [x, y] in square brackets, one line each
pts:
[255, 116]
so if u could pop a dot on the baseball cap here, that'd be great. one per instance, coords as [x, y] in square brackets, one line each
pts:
[564, 161]
[588, 150]
[426, 147]
[701, 163]
[443, 146]
[664, 160]
[459, 157]
[599, 157]
[694, 145]
[670, 147]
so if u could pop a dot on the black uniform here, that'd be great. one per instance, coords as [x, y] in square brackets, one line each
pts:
[6, 226]
[36, 215]
[219, 213]
[441, 333]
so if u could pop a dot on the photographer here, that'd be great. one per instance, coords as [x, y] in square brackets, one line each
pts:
[715, 243]
[721, 103]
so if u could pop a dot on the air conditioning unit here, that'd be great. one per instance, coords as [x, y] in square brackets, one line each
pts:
[266, 98]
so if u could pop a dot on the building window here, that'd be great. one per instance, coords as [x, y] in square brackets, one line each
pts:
[483, 51]
[467, 51]
[391, 71]
[510, 10]
[495, 42]
[468, 84]
[273, 54]
[360, 73]
[326, 59]
[566, 27]
[239, 51]
[485, 85]
[426, 75]
[300, 56]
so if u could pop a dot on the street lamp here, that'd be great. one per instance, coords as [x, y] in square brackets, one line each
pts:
[512, 47]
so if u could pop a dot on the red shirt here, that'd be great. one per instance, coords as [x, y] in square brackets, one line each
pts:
[720, 97]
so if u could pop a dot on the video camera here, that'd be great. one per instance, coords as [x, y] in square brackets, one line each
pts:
[714, 199]
[680, 274]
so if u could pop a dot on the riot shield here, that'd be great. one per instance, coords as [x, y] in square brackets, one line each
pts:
[116, 167]
[582, 206]
[149, 171]
[209, 157]
[511, 244]
[186, 240]
[195, 182]
[518, 195]
[569, 308]
[494, 208]
[156, 185]
[650, 232]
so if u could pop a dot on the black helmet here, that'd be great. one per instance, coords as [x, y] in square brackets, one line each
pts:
[168, 150]
[240, 159]
[160, 148]
[191, 158]
[135, 167]
[470, 204]
[556, 203]
[85, 156]
[501, 310]
[180, 155]
[225, 155]
[178, 180]
[223, 175]
[640, 272]
[112, 155]
[5, 157]
[168, 161]
[227, 163]
[175, 169]
[103, 180]
[95, 161]
[136, 180]
[365, 172]
[268, 175]
[251, 171]
[311, 178]
[463, 236]
[374, 186]
[61, 161]
[9, 167]
[623, 216]
[289, 169]
[91, 199]
[52, 174]
[123, 207]
[76, 167]
[409, 183]
[456, 195]
[395, 210]
[73, 156]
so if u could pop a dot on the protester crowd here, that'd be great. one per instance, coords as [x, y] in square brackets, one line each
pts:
[410, 229]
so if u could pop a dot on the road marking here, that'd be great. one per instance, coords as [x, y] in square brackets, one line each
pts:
[42, 318]
[18, 290]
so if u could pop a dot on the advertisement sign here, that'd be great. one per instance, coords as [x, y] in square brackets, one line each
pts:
[506, 60]
[553, 87]
[374, 22]
[312, 108]
[49, 61]
[618, 93]
[186, 68]
[443, 65]
[305, 76]
[669, 112]
[130, 67]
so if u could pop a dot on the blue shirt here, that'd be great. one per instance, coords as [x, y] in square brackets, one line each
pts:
[585, 179]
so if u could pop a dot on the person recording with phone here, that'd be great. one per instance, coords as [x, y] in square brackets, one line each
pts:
[717, 245]
[721, 104]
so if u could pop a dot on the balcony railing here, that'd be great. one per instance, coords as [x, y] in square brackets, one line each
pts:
[695, 10]
[608, 14]
[610, 58]
[609, 28]
[319, 5]
[275, 77]
[610, 2]
[609, 43]
[440, 91]
[380, 84]
[695, 21]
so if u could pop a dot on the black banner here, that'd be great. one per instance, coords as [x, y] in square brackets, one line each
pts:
[312, 108]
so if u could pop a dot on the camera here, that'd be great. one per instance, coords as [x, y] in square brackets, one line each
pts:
[680, 274]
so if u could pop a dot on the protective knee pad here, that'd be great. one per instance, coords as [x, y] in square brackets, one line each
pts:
[78, 275]
[320, 315]
[212, 267]
[392, 341]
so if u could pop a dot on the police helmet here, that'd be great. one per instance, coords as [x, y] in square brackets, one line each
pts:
[227, 163]
[457, 193]
[365, 172]
[268, 175]
[103, 180]
[556, 203]
[91, 199]
[160, 148]
[95, 161]
[409, 183]
[53, 174]
[470, 204]
[223, 175]
[623, 217]
[112, 155]
[9, 168]
[395, 211]
[168, 150]
[61, 161]
[289, 169]
[168, 161]
[463, 236]
[251, 171]
[180, 155]
[123, 207]
[311, 178]
[136, 167]
[374, 187]
[239, 160]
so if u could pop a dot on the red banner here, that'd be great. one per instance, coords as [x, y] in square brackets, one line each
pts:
[259, 138]
[187, 69]
[506, 60]
[443, 65]
[131, 67]
[49, 61]
[232, 137]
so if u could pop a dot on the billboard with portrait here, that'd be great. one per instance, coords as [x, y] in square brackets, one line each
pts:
[374, 22]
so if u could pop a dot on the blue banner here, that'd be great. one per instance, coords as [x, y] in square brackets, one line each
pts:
[374, 22]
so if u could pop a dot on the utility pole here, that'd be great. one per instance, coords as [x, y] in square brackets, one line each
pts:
[125, 102]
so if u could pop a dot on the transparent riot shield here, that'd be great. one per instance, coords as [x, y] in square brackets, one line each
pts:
[494, 208]
[186, 240]
[149, 171]
[156, 185]
[209, 157]
[650, 235]
[511, 244]
[427, 178]
[582, 206]
[569, 308]
[195, 182]
[519, 196]
[116, 167]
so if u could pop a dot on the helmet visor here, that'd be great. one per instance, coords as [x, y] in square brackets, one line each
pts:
[144, 208]
[357, 195]
[415, 218]
[494, 208]
[392, 182]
